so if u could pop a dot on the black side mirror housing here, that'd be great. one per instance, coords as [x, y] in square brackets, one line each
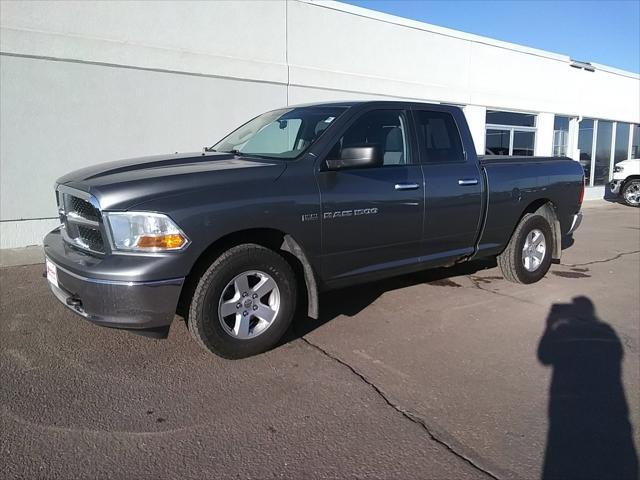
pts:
[357, 157]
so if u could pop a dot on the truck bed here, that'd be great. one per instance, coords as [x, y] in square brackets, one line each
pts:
[513, 183]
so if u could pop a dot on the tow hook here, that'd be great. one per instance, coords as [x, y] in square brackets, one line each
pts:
[74, 302]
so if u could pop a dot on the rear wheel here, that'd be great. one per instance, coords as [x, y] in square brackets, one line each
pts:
[244, 302]
[527, 257]
[631, 193]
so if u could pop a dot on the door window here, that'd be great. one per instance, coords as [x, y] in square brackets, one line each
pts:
[386, 129]
[439, 137]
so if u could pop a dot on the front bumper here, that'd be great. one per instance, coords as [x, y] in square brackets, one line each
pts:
[115, 302]
[614, 186]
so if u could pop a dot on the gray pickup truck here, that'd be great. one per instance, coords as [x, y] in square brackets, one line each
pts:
[294, 202]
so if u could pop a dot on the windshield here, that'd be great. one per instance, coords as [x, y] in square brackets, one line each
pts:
[284, 133]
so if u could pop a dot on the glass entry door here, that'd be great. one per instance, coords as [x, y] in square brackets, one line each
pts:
[602, 144]
[585, 145]
[602, 158]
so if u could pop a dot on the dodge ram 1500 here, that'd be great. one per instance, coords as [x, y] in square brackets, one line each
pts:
[296, 201]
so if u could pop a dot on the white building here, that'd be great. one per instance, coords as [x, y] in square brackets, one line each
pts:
[83, 83]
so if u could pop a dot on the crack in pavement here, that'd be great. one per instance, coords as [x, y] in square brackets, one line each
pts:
[476, 284]
[476, 280]
[606, 260]
[408, 415]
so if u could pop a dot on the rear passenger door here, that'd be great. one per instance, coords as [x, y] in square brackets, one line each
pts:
[453, 186]
[372, 216]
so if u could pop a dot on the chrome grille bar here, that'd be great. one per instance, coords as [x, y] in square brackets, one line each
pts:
[82, 219]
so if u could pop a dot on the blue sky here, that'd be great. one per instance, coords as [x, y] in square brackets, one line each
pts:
[606, 32]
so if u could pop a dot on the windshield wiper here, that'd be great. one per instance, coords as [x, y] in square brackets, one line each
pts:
[253, 155]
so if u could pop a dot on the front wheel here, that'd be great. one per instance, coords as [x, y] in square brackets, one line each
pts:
[631, 193]
[244, 302]
[527, 257]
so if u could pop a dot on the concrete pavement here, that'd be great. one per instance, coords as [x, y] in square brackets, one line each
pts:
[452, 373]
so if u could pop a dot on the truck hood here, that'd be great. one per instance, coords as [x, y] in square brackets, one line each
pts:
[630, 163]
[122, 184]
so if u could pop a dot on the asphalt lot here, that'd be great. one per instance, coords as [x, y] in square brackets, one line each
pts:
[453, 373]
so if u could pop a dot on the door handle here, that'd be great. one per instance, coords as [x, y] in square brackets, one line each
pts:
[468, 181]
[406, 186]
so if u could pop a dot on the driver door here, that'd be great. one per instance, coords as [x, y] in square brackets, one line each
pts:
[372, 215]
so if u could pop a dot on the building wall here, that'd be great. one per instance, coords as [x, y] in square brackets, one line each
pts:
[83, 82]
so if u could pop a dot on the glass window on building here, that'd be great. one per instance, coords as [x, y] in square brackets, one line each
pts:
[497, 142]
[585, 145]
[523, 143]
[622, 142]
[510, 133]
[497, 117]
[560, 136]
[603, 152]
[635, 143]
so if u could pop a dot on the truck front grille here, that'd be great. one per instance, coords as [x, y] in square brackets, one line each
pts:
[92, 238]
[82, 220]
[84, 209]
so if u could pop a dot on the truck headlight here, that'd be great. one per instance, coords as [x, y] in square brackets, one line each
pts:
[618, 168]
[144, 232]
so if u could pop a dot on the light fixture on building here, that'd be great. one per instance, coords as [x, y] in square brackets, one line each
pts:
[583, 65]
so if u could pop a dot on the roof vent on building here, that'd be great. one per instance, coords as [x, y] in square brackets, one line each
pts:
[584, 65]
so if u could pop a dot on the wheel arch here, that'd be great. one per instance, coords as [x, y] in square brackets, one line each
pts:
[547, 209]
[271, 238]
[623, 186]
[627, 180]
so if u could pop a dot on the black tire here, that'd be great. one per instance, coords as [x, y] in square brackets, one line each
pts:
[511, 261]
[204, 323]
[635, 184]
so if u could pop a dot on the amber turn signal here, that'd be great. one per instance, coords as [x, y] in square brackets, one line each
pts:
[170, 241]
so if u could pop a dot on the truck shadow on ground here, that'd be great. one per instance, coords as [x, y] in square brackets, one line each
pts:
[589, 434]
[351, 301]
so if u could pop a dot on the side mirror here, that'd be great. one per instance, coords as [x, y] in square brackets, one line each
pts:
[357, 157]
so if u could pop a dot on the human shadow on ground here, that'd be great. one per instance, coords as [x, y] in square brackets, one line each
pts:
[590, 436]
